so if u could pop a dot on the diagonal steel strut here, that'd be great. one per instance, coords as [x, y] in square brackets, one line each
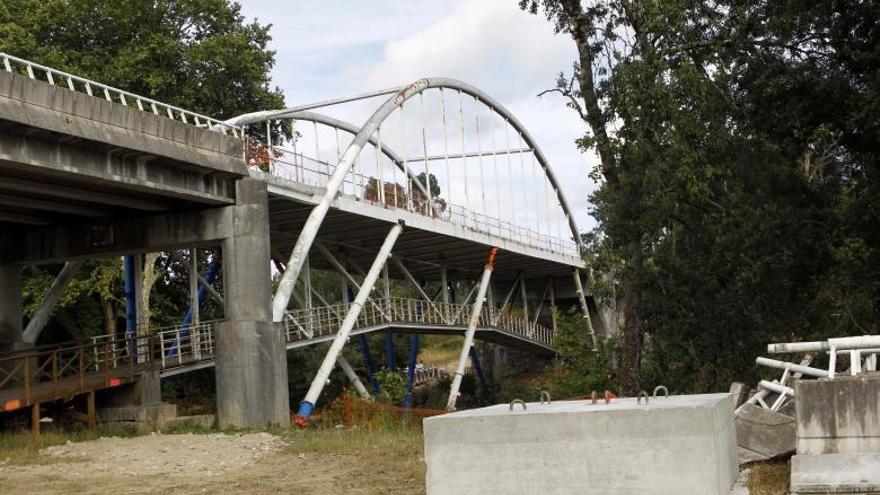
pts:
[354, 311]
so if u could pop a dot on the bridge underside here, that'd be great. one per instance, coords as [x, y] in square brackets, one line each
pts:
[357, 228]
[70, 158]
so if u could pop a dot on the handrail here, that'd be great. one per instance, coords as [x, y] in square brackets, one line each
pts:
[90, 87]
[179, 347]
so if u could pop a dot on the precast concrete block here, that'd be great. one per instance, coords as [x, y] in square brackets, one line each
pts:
[838, 416]
[740, 392]
[680, 445]
[852, 474]
[762, 434]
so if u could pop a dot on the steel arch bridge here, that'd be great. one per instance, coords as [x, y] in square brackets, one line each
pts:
[439, 173]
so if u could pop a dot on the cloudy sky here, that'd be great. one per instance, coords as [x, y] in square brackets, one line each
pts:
[333, 48]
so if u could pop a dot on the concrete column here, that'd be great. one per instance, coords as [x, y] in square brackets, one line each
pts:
[10, 307]
[251, 357]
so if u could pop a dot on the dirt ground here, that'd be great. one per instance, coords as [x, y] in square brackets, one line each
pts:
[260, 463]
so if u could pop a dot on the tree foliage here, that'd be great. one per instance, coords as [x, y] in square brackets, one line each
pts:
[201, 55]
[738, 144]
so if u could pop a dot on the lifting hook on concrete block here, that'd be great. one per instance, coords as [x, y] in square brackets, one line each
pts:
[518, 401]
[663, 388]
[642, 394]
[545, 396]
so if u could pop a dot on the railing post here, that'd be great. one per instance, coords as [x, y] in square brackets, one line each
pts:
[177, 347]
[81, 351]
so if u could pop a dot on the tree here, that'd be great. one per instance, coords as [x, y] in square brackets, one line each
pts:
[201, 55]
[737, 142]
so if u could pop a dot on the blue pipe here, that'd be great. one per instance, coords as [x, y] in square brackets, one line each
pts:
[475, 358]
[411, 369]
[368, 361]
[389, 351]
[130, 303]
[305, 409]
[202, 293]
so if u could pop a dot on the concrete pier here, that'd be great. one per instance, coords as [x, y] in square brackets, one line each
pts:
[251, 353]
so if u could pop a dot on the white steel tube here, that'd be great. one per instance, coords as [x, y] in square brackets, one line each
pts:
[316, 217]
[352, 377]
[41, 316]
[472, 328]
[841, 344]
[348, 323]
[784, 365]
[582, 298]
[775, 387]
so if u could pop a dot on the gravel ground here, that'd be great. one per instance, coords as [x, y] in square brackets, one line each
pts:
[157, 454]
[254, 463]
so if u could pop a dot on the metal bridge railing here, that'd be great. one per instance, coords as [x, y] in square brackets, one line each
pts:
[109, 93]
[324, 321]
[303, 169]
[175, 347]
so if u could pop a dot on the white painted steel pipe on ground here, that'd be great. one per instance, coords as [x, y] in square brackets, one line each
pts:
[841, 344]
[354, 311]
[784, 365]
[472, 328]
[775, 387]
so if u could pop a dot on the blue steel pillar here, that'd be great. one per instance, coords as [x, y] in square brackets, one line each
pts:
[475, 359]
[368, 361]
[389, 351]
[213, 268]
[411, 369]
[130, 303]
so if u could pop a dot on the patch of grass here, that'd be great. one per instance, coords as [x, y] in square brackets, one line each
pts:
[438, 350]
[770, 478]
[185, 427]
[17, 448]
[392, 459]
[402, 442]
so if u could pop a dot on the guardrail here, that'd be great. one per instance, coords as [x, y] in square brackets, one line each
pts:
[109, 93]
[296, 167]
[324, 321]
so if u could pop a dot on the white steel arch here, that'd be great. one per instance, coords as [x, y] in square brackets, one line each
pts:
[364, 136]
[400, 95]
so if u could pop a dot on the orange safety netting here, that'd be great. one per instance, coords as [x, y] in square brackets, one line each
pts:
[351, 411]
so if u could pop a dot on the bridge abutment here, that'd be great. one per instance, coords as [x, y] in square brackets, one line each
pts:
[251, 359]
